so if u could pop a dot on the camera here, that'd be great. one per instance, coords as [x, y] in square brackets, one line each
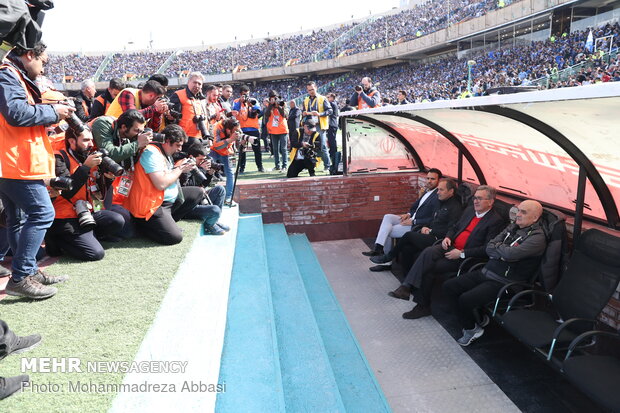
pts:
[73, 121]
[85, 218]
[216, 166]
[108, 164]
[61, 183]
[358, 88]
[157, 137]
[200, 178]
[202, 126]
[174, 113]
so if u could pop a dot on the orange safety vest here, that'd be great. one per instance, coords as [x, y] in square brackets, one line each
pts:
[276, 125]
[144, 198]
[361, 103]
[219, 145]
[190, 107]
[64, 207]
[244, 120]
[103, 102]
[26, 150]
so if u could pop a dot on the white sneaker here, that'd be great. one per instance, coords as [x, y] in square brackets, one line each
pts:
[470, 335]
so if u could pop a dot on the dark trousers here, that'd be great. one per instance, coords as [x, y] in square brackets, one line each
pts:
[299, 165]
[422, 274]
[66, 236]
[258, 156]
[469, 292]
[409, 247]
[162, 227]
[333, 147]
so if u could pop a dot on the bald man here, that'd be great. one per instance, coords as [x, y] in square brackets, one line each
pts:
[514, 255]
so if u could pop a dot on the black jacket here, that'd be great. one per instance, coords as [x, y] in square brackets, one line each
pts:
[445, 217]
[79, 109]
[489, 226]
[425, 213]
[294, 119]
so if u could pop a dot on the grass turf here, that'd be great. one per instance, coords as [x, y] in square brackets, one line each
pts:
[101, 314]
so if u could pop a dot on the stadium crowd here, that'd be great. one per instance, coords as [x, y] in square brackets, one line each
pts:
[320, 44]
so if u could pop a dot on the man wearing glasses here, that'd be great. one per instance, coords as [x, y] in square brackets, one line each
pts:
[26, 165]
[468, 238]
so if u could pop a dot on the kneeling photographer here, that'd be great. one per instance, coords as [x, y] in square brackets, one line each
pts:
[210, 208]
[79, 224]
[155, 200]
[305, 144]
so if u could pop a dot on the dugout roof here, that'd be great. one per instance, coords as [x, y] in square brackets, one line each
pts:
[528, 145]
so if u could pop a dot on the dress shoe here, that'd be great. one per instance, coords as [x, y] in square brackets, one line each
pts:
[379, 268]
[418, 311]
[401, 292]
[382, 259]
[377, 250]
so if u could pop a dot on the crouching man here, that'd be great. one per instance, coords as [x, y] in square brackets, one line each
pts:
[155, 199]
[77, 226]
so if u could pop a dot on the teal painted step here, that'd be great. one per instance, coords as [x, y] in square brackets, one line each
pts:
[250, 364]
[358, 386]
[307, 377]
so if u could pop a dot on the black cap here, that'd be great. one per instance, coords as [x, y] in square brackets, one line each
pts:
[310, 123]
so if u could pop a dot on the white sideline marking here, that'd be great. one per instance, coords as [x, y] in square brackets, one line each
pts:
[188, 327]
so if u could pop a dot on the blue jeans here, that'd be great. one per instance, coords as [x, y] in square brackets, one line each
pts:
[209, 214]
[324, 150]
[217, 195]
[30, 198]
[227, 171]
[279, 143]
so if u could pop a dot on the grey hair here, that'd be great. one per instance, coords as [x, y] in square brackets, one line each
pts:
[491, 192]
[87, 83]
[195, 74]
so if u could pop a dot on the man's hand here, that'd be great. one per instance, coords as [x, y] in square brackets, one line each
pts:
[405, 216]
[425, 230]
[305, 144]
[314, 113]
[160, 106]
[445, 244]
[110, 175]
[185, 165]
[453, 254]
[94, 159]
[63, 111]
[407, 222]
[144, 139]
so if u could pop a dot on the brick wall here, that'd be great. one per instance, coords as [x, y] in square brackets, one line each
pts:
[330, 208]
[344, 207]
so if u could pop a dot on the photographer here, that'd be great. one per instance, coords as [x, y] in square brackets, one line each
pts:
[26, 161]
[225, 134]
[277, 128]
[102, 102]
[77, 226]
[365, 95]
[305, 144]
[190, 103]
[149, 101]
[294, 116]
[247, 111]
[84, 102]
[332, 131]
[155, 200]
[210, 208]
[318, 108]
[214, 109]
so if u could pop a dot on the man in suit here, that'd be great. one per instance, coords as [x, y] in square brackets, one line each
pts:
[468, 238]
[421, 213]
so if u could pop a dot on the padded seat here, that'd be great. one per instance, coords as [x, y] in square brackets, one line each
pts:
[534, 328]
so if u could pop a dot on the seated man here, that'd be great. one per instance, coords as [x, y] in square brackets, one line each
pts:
[77, 226]
[155, 200]
[467, 238]
[210, 206]
[10, 344]
[421, 213]
[416, 240]
[305, 144]
[514, 255]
